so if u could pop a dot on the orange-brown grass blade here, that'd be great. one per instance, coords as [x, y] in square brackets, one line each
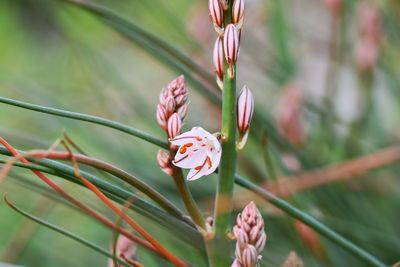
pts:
[76, 202]
[168, 255]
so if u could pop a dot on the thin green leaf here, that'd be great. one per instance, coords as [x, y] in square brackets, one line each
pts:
[64, 232]
[179, 227]
[88, 118]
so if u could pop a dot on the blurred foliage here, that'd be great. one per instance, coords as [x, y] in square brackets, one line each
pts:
[55, 54]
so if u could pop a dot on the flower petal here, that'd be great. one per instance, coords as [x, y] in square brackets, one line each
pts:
[192, 157]
[196, 135]
[198, 171]
[215, 158]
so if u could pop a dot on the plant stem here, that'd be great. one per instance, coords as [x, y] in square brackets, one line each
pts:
[88, 118]
[187, 198]
[220, 246]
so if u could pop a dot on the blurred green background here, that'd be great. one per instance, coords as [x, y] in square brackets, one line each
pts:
[55, 54]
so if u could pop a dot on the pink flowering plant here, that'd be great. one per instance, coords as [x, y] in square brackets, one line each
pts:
[167, 222]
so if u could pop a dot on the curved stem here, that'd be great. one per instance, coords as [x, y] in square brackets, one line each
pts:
[187, 198]
[88, 118]
[111, 169]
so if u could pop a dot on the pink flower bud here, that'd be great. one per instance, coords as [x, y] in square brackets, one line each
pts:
[249, 256]
[164, 161]
[238, 13]
[218, 58]
[245, 108]
[182, 111]
[250, 236]
[224, 4]
[124, 247]
[366, 54]
[181, 100]
[170, 105]
[174, 125]
[236, 263]
[293, 260]
[216, 12]
[162, 116]
[231, 44]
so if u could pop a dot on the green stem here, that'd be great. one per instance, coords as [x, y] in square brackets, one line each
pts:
[187, 198]
[88, 118]
[312, 222]
[220, 247]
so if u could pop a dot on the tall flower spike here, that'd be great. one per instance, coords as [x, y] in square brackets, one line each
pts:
[244, 113]
[198, 151]
[218, 58]
[217, 14]
[174, 125]
[238, 13]
[231, 47]
[250, 237]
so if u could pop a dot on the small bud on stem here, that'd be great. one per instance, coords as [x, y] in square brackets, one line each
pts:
[244, 113]
[231, 47]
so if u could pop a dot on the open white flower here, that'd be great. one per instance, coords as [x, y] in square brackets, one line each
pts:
[198, 151]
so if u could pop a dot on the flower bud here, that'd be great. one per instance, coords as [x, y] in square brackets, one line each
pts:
[216, 12]
[224, 4]
[250, 236]
[182, 111]
[162, 116]
[218, 58]
[236, 263]
[174, 125]
[231, 44]
[249, 256]
[245, 108]
[231, 48]
[238, 13]
[164, 161]
[170, 105]
[293, 260]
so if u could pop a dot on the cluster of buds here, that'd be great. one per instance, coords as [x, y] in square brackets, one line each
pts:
[367, 46]
[250, 237]
[244, 113]
[171, 111]
[172, 108]
[227, 44]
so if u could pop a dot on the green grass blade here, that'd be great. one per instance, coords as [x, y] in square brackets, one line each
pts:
[64, 232]
[88, 118]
